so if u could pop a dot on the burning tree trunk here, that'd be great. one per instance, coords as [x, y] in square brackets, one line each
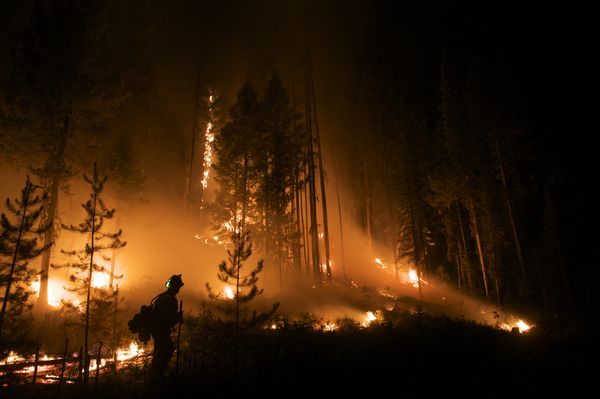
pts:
[313, 101]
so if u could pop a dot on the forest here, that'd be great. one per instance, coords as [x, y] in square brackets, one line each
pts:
[368, 193]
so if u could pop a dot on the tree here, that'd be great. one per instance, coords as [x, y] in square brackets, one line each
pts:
[278, 161]
[85, 265]
[59, 91]
[236, 172]
[19, 244]
[244, 286]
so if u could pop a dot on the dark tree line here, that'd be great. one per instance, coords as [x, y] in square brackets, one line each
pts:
[464, 195]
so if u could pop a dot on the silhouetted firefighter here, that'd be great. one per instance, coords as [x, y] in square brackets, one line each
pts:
[165, 316]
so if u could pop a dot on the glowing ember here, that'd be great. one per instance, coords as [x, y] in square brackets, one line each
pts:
[330, 326]
[228, 291]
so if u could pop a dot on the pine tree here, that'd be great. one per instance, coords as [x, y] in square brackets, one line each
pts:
[235, 169]
[18, 245]
[279, 158]
[97, 299]
[244, 286]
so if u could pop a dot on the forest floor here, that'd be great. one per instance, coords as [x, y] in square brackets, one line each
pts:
[422, 355]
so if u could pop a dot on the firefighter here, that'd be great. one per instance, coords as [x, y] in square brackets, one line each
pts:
[165, 316]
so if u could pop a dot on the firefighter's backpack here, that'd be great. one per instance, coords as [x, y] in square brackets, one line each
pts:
[142, 322]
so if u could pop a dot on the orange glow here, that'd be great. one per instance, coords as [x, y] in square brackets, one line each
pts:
[100, 280]
[413, 278]
[228, 291]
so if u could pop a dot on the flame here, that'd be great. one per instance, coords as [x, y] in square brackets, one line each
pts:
[100, 280]
[228, 291]
[329, 326]
[133, 350]
[413, 278]
[380, 264]
[94, 365]
[56, 293]
[371, 316]
[522, 326]
[13, 357]
[209, 138]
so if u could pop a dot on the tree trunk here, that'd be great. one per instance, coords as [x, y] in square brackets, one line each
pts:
[86, 374]
[314, 230]
[321, 172]
[467, 272]
[9, 279]
[524, 284]
[57, 167]
[475, 231]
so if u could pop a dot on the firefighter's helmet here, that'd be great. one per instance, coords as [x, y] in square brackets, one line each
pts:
[174, 281]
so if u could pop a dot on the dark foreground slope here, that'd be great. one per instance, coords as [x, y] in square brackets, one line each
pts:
[416, 354]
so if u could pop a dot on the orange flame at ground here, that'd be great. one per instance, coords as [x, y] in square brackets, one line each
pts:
[132, 351]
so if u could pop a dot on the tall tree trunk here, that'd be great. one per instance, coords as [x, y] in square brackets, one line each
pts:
[86, 370]
[524, 284]
[57, 174]
[368, 228]
[339, 203]
[314, 230]
[468, 272]
[475, 231]
[321, 171]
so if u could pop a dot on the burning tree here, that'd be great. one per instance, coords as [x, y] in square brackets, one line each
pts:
[99, 297]
[19, 243]
[236, 172]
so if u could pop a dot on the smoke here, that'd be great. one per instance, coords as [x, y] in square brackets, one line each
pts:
[162, 241]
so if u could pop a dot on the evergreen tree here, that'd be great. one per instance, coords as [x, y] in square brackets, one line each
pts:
[18, 245]
[236, 145]
[98, 299]
[244, 288]
[279, 158]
